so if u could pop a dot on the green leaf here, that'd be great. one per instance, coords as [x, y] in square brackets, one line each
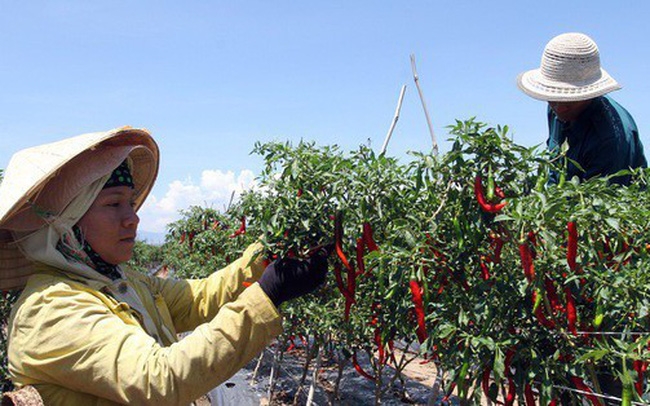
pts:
[613, 223]
[498, 367]
[593, 355]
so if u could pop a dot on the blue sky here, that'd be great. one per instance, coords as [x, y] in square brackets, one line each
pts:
[209, 78]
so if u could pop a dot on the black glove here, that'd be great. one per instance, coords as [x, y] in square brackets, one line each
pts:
[288, 278]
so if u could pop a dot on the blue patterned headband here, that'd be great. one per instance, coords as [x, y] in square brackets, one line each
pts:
[121, 176]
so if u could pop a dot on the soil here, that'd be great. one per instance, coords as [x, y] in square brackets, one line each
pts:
[415, 388]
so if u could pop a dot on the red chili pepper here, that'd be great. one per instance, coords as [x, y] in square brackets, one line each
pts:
[299, 192]
[190, 239]
[498, 245]
[443, 284]
[416, 293]
[242, 228]
[339, 282]
[360, 370]
[572, 245]
[352, 283]
[553, 402]
[499, 192]
[352, 286]
[368, 239]
[571, 314]
[267, 261]
[485, 271]
[579, 383]
[529, 396]
[510, 354]
[485, 382]
[373, 316]
[625, 247]
[510, 396]
[640, 367]
[348, 307]
[445, 399]
[338, 241]
[182, 238]
[527, 261]
[246, 284]
[348, 292]
[361, 267]
[480, 198]
[380, 347]
[540, 316]
[512, 391]
[439, 255]
[551, 293]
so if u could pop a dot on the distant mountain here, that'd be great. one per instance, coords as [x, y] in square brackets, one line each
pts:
[151, 237]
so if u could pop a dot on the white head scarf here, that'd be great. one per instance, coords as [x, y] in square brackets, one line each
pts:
[41, 245]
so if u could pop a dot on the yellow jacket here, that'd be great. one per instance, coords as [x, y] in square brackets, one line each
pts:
[79, 346]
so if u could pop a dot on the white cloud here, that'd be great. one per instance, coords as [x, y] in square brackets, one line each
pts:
[213, 190]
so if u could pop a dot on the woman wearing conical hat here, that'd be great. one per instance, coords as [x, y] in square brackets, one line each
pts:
[86, 330]
[593, 129]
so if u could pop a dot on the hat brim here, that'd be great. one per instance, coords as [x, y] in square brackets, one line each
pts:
[49, 176]
[536, 86]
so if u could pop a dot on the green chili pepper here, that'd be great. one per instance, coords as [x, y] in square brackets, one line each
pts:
[562, 180]
[490, 185]
[538, 300]
[600, 315]
[541, 180]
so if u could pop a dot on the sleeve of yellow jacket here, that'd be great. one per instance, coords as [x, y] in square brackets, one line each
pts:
[193, 302]
[68, 337]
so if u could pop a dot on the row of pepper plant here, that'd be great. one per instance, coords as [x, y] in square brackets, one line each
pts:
[516, 287]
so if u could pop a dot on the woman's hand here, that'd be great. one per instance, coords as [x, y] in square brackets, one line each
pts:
[288, 278]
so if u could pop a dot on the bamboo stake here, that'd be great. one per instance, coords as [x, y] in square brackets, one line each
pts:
[274, 372]
[395, 118]
[232, 197]
[424, 105]
[341, 362]
[257, 367]
[314, 378]
[435, 390]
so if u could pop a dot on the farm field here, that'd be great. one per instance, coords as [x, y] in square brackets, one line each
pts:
[523, 290]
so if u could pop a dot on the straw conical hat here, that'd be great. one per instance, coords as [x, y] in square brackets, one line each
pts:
[47, 177]
[570, 71]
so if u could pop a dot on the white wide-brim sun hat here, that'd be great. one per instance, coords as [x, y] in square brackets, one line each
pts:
[46, 178]
[570, 71]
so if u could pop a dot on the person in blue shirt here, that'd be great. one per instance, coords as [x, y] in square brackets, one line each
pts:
[584, 122]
